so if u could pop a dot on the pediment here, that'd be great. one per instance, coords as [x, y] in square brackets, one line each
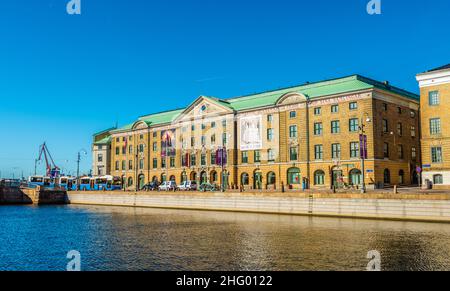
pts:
[203, 107]
[292, 98]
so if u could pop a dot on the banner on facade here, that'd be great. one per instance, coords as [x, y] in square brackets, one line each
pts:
[168, 143]
[250, 133]
[363, 146]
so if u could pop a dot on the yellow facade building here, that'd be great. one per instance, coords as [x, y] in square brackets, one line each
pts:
[306, 136]
[435, 118]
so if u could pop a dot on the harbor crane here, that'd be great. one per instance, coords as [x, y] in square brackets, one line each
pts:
[53, 171]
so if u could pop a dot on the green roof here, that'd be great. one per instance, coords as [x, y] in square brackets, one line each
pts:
[320, 89]
[161, 118]
[315, 90]
[105, 140]
[104, 131]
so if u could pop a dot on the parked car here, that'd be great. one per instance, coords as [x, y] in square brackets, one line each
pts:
[168, 186]
[152, 186]
[188, 186]
[208, 187]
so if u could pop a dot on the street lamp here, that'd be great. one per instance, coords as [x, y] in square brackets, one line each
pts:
[363, 148]
[80, 152]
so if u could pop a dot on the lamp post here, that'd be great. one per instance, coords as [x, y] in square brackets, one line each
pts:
[82, 151]
[363, 149]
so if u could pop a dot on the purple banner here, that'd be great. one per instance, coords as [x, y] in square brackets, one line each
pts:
[221, 157]
[363, 146]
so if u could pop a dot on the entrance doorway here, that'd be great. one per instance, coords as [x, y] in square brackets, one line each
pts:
[257, 180]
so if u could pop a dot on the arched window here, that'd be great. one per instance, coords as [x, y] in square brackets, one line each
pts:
[154, 179]
[130, 182]
[203, 178]
[387, 176]
[319, 177]
[271, 178]
[183, 177]
[244, 179]
[213, 177]
[172, 178]
[355, 177]
[401, 177]
[141, 181]
[294, 176]
[438, 179]
[193, 176]
[163, 178]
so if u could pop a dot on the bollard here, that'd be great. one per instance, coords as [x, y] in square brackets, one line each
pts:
[395, 189]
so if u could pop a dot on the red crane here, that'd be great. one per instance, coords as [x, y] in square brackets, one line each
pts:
[52, 170]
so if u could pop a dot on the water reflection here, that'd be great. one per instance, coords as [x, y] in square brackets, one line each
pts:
[115, 238]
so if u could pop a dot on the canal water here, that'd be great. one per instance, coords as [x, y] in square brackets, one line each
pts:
[112, 238]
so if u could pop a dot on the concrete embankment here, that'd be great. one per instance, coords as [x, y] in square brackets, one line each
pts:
[434, 208]
[18, 196]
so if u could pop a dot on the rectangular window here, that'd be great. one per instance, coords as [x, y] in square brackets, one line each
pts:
[130, 149]
[192, 127]
[293, 131]
[271, 155]
[335, 126]
[433, 98]
[317, 111]
[413, 153]
[117, 151]
[203, 139]
[318, 152]
[192, 141]
[213, 124]
[318, 128]
[141, 164]
[213, 139]
[224, 139]
[155, 146]
[270, 134]
[100, 158]
[385, 107]
[124, 150]
[130, 165]
[203, 126]
[399, 129]
[293, 153]
[386, 150]
[436, 154]
[400, 151]
[117, 165]
[353, 125]
[244, 156]
[385, 126]
[172, 162]
[435, 126]
[334, 108]
[292, 114]
[124, 165]
[399, 110]
[155, 134]
[413, 131]
[353, 106]
[269, 118]
[155, 163]
[163, 163]
[336, 151]
[193, 160]
[203, 159]
[354, 149]
[224, 123]
[213, 158]
[257, 156]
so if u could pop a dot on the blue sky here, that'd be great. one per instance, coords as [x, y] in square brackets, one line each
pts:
[64, 77]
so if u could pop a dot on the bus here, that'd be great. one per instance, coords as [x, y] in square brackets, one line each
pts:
[107, 183]
[67, 183]
[41, 181]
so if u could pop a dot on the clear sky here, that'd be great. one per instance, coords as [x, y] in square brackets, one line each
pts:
[64, 77]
